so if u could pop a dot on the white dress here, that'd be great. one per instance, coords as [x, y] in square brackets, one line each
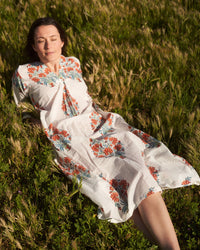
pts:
[118, 166]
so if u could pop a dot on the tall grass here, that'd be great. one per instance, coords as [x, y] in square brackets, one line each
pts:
[140, 59]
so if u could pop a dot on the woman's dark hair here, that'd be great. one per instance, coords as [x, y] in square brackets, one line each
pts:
[29, 51]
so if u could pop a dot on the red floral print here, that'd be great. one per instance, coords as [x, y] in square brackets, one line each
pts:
[69, 104]
[60, 138]
[148, 140]
[73, 169]
[95, 147]
[108, 151]
[42, 75]
[115, 196]
[47, 71]
[186, 182]
[150, 192]
[31, 70]
[154, 172]
[35, 79]
[118, 193]
[106, 147]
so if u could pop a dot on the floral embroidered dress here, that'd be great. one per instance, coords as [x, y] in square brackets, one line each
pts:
[118, 165]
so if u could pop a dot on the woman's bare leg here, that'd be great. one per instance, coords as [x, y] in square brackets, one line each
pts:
[156, 223]
[142, 227]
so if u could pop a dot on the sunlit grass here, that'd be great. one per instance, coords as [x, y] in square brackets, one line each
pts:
[139, 59]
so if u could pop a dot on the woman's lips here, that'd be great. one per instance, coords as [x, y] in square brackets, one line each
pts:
[49, 53]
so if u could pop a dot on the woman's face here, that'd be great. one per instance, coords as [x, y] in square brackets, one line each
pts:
[47, 43]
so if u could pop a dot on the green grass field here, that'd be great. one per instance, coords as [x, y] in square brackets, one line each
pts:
[140, 59]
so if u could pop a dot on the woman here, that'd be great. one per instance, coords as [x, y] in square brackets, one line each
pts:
[122, 169]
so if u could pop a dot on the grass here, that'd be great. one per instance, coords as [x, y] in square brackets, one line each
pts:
[139, 59]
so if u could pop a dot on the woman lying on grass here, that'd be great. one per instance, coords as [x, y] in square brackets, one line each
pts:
[121, 169]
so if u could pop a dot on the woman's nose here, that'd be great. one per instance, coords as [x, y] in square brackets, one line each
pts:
[47, 44]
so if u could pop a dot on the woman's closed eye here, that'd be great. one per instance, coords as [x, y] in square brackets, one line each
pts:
[40, 41]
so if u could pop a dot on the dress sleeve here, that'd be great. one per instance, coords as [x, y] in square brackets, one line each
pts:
[20, 89]
[21, 95]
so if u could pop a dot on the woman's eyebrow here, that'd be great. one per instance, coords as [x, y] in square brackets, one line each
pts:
[38, 37]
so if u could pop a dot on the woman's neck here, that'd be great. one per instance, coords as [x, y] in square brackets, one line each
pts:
[54, 66]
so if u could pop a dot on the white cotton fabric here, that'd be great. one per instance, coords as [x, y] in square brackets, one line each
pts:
[117, 165]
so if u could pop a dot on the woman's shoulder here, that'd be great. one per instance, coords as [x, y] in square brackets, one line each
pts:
[28, 71]
[27, 66]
